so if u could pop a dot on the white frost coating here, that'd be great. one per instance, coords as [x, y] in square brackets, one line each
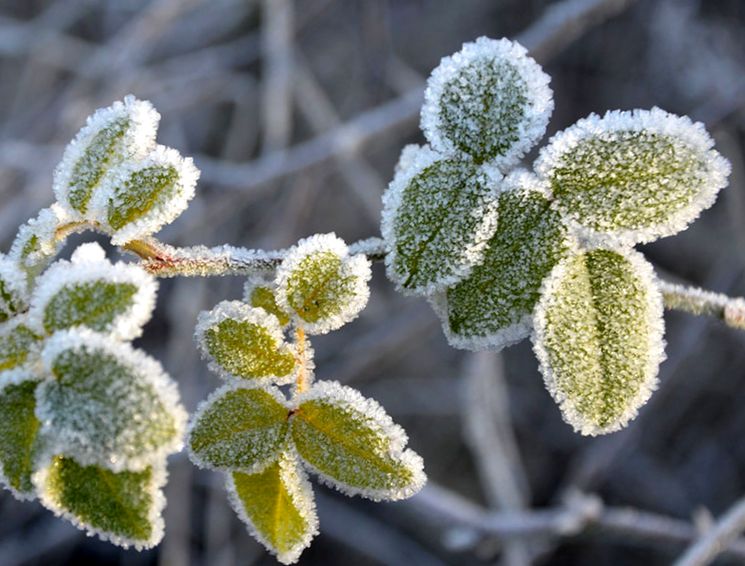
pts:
[112, 191]
[356, 267]
[539, 96]
[296, 482]
[351, 400]
[408, 156]
[71, 436]
[369, 246]
[236, 310]
[681, 129]
[138, 140]
[471, 252]
[89, 264]
[256, 280]
[14, 283]
[44, 227]
[155, 513]
[207, 403]
[655, 311]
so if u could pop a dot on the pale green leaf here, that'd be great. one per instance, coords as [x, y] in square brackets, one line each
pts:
[490, 101]
[245, 342]
[493, 306]
[278, 507]
[108, 403]
[238, 429]
[13, 289]
[19, 430]
[438, 214]
[263, 297]
[354, 445]
[123, 508]
[634, 175]
[17, 341]
[598, 337]
[321, 284]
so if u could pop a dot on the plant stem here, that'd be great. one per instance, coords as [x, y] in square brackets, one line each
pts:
[731, 310]
[301, 383]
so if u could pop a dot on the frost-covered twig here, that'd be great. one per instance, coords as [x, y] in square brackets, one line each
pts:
[718, 539]
[731, 310]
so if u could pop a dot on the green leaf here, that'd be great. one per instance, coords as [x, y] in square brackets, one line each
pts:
[353, 444]
[598, 337]
[13, 291]
[490, 101]
[634, 175]
[493, 306]
[90, 291]
[277, 505]
[108, 404]
[123, 508]
[16, 342]
[19, 430]
[125, 130]
[321, 284]
[438, 215]
[245, 342]
[264, 297]
[238, 429]
[37, 240]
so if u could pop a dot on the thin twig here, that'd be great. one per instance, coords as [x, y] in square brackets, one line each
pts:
[716, 541]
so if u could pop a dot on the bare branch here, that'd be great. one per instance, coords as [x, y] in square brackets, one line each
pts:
[718, 539]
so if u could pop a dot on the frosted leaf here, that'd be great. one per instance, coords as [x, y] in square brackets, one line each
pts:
[493, 306]
[17, 342]
[277, 506]
[238, 428]
[108, 404]
[353, 445]
[19, 431]
[634, 175]
[244, 342]
[124, 508]
[321, 285]
[115, 299]
[13, 289]
[260, 293]
[438, 215]
[490, 101]
[598, 337]
[408, 157]
[124, 131]
[138, 198]
[36, 241]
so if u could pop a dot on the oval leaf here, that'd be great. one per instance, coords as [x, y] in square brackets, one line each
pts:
[278, 507]
[123, 508]
[36, 242]
[353, 445]
[634, 175]
[493, 306]
[90, 291]
[19, 430]
[17, 341]
[238, 429]
[438, 215]
[13, 289]
[262, 295]
[245, 342]
[321, 284]
[108, 403]
[598, 337]
[125, 130]
[490, 101]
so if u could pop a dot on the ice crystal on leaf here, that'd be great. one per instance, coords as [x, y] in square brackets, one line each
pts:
[634, 175]
[438, 214]
[36, 242]
[598, 337]
[13, 289]
[490, 101]
[321, 285]
[261, 293]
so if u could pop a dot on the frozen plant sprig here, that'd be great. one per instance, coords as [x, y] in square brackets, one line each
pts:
[264, 440]
[553, 258]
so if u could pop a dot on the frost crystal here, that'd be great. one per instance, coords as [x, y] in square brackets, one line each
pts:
[438, 214]
[13, 289]
[240, 341]
[490, 101]
[493, 307]
[138, 198]
[36, 242]
[260, 292]
[598, 337]
[108, 404]
[635, 175]
[125, 130]
[89, 290]
[321, 284]
[17, 344]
